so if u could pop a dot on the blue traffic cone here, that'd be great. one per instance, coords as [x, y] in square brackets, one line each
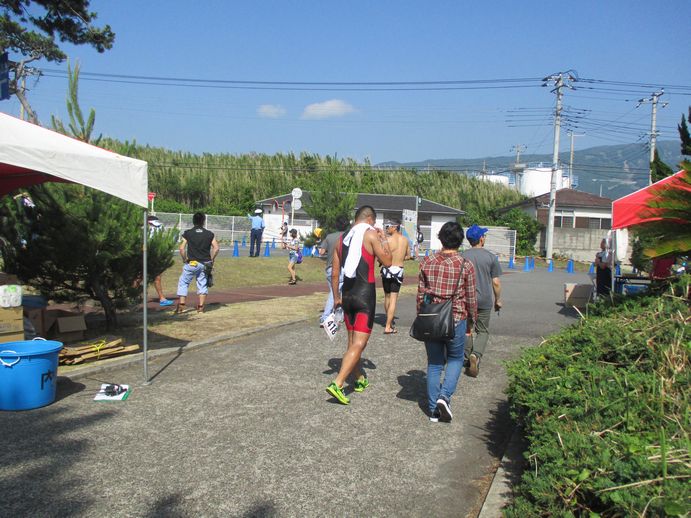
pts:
[267, 250]
[532, 263]
[550, 266]
[273, 243]
[306, 251]
[236, 252]
[526, 264]
[592, 268]
[427, 253]
[569, 266]
[511, 265]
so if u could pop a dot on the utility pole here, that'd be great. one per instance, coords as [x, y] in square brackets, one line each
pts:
[653, 127]
[572, 134]
[518, 148]
[559, 84]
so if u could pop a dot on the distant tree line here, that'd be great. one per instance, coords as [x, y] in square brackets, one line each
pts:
[231, 184]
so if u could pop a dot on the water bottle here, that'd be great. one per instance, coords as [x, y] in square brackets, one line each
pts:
[338, 314]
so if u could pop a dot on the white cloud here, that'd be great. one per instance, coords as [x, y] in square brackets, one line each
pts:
[332, 108]
[271, 111]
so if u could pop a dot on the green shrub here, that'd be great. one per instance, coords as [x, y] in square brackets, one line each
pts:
[604, 406]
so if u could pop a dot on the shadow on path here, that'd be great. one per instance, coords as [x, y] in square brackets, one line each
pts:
[414, 388]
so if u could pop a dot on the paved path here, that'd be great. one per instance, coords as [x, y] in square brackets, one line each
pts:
[246, 429]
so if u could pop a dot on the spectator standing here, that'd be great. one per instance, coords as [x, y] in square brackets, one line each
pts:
[293, 246]
[604, 260]
[198, 249]
[488, 284]
[447, 275]
[328, 246]
[257, 222]
[155, 226]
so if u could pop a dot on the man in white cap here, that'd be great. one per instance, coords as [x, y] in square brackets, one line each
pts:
[487, 273]
[256, 233]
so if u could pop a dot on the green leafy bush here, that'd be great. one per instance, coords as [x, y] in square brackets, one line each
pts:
[604, 405]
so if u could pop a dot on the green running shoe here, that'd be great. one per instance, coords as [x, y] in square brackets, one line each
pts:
[361, 385]
[337, 392]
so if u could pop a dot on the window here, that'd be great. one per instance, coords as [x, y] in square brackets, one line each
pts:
[600, 223]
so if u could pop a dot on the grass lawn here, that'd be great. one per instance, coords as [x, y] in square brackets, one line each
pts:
[240, 272]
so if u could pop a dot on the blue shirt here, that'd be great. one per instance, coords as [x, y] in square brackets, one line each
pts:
[257, 222]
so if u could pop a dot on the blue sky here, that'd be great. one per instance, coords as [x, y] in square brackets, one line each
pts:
[383, 41]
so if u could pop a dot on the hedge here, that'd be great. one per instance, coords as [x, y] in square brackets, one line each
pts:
[604, 406]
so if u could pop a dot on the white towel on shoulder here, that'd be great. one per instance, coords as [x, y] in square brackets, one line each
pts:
[353, 240]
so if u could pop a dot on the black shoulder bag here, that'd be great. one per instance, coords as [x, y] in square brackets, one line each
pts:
[434, 322]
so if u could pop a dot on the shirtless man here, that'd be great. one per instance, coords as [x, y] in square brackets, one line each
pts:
[356, 253]
[392, 276]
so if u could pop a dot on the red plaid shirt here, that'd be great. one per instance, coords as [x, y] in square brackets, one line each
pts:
[439, 274]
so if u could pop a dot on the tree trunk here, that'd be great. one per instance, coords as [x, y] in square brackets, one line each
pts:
[101, 294]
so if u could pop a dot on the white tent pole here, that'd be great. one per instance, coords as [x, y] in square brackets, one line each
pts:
[145, 308]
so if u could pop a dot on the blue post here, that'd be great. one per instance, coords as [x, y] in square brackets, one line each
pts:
[569, 266]
[244, 242]
[267, 251]
[592, 268]
[273, 243]
[617, 270]
[550, 266]
[532, 263]
[427, 252]
[236, 252]
[526, 264]
[511, 265]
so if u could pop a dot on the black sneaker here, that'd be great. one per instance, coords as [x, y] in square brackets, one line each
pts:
[444, 409]
[434, 418]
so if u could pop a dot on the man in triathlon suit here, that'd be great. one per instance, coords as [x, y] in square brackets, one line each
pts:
[356, 253]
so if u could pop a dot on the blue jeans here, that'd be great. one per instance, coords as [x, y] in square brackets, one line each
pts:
[190, 272]
[329, 306]
[440, 354]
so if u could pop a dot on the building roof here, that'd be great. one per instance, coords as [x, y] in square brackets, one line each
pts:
[380, 202]
[565, 198]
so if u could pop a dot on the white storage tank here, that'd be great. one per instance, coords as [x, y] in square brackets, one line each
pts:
[534, 181]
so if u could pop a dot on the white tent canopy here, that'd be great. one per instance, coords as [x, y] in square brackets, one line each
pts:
[30, 154]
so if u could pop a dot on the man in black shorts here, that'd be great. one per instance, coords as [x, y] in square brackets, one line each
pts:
[356, 254]
[392, 276]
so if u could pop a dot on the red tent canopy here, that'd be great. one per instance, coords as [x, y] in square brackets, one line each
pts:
[632, 209]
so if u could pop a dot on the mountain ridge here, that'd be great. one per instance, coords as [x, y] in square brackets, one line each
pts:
[614, 170]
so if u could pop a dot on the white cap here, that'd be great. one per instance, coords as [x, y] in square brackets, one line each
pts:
[258, 211]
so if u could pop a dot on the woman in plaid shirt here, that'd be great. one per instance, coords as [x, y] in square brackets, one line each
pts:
[445, 275]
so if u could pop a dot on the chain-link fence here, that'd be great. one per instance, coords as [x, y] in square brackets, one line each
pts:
[226, 228]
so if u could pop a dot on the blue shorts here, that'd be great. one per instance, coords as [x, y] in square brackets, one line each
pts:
[190, 272]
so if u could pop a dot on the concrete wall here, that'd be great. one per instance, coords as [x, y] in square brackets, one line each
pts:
[580, 244]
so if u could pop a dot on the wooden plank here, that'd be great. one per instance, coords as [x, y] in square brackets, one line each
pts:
[116, 351]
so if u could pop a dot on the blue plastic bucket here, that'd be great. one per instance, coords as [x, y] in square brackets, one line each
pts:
[28, 373]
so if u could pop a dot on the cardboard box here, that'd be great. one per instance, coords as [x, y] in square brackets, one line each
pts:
[61, 325]
[11, 337]
[37, 318]
[577, 295]
[6, 278]
[11, 320]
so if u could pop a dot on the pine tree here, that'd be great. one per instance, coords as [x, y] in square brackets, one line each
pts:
[80, 243]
